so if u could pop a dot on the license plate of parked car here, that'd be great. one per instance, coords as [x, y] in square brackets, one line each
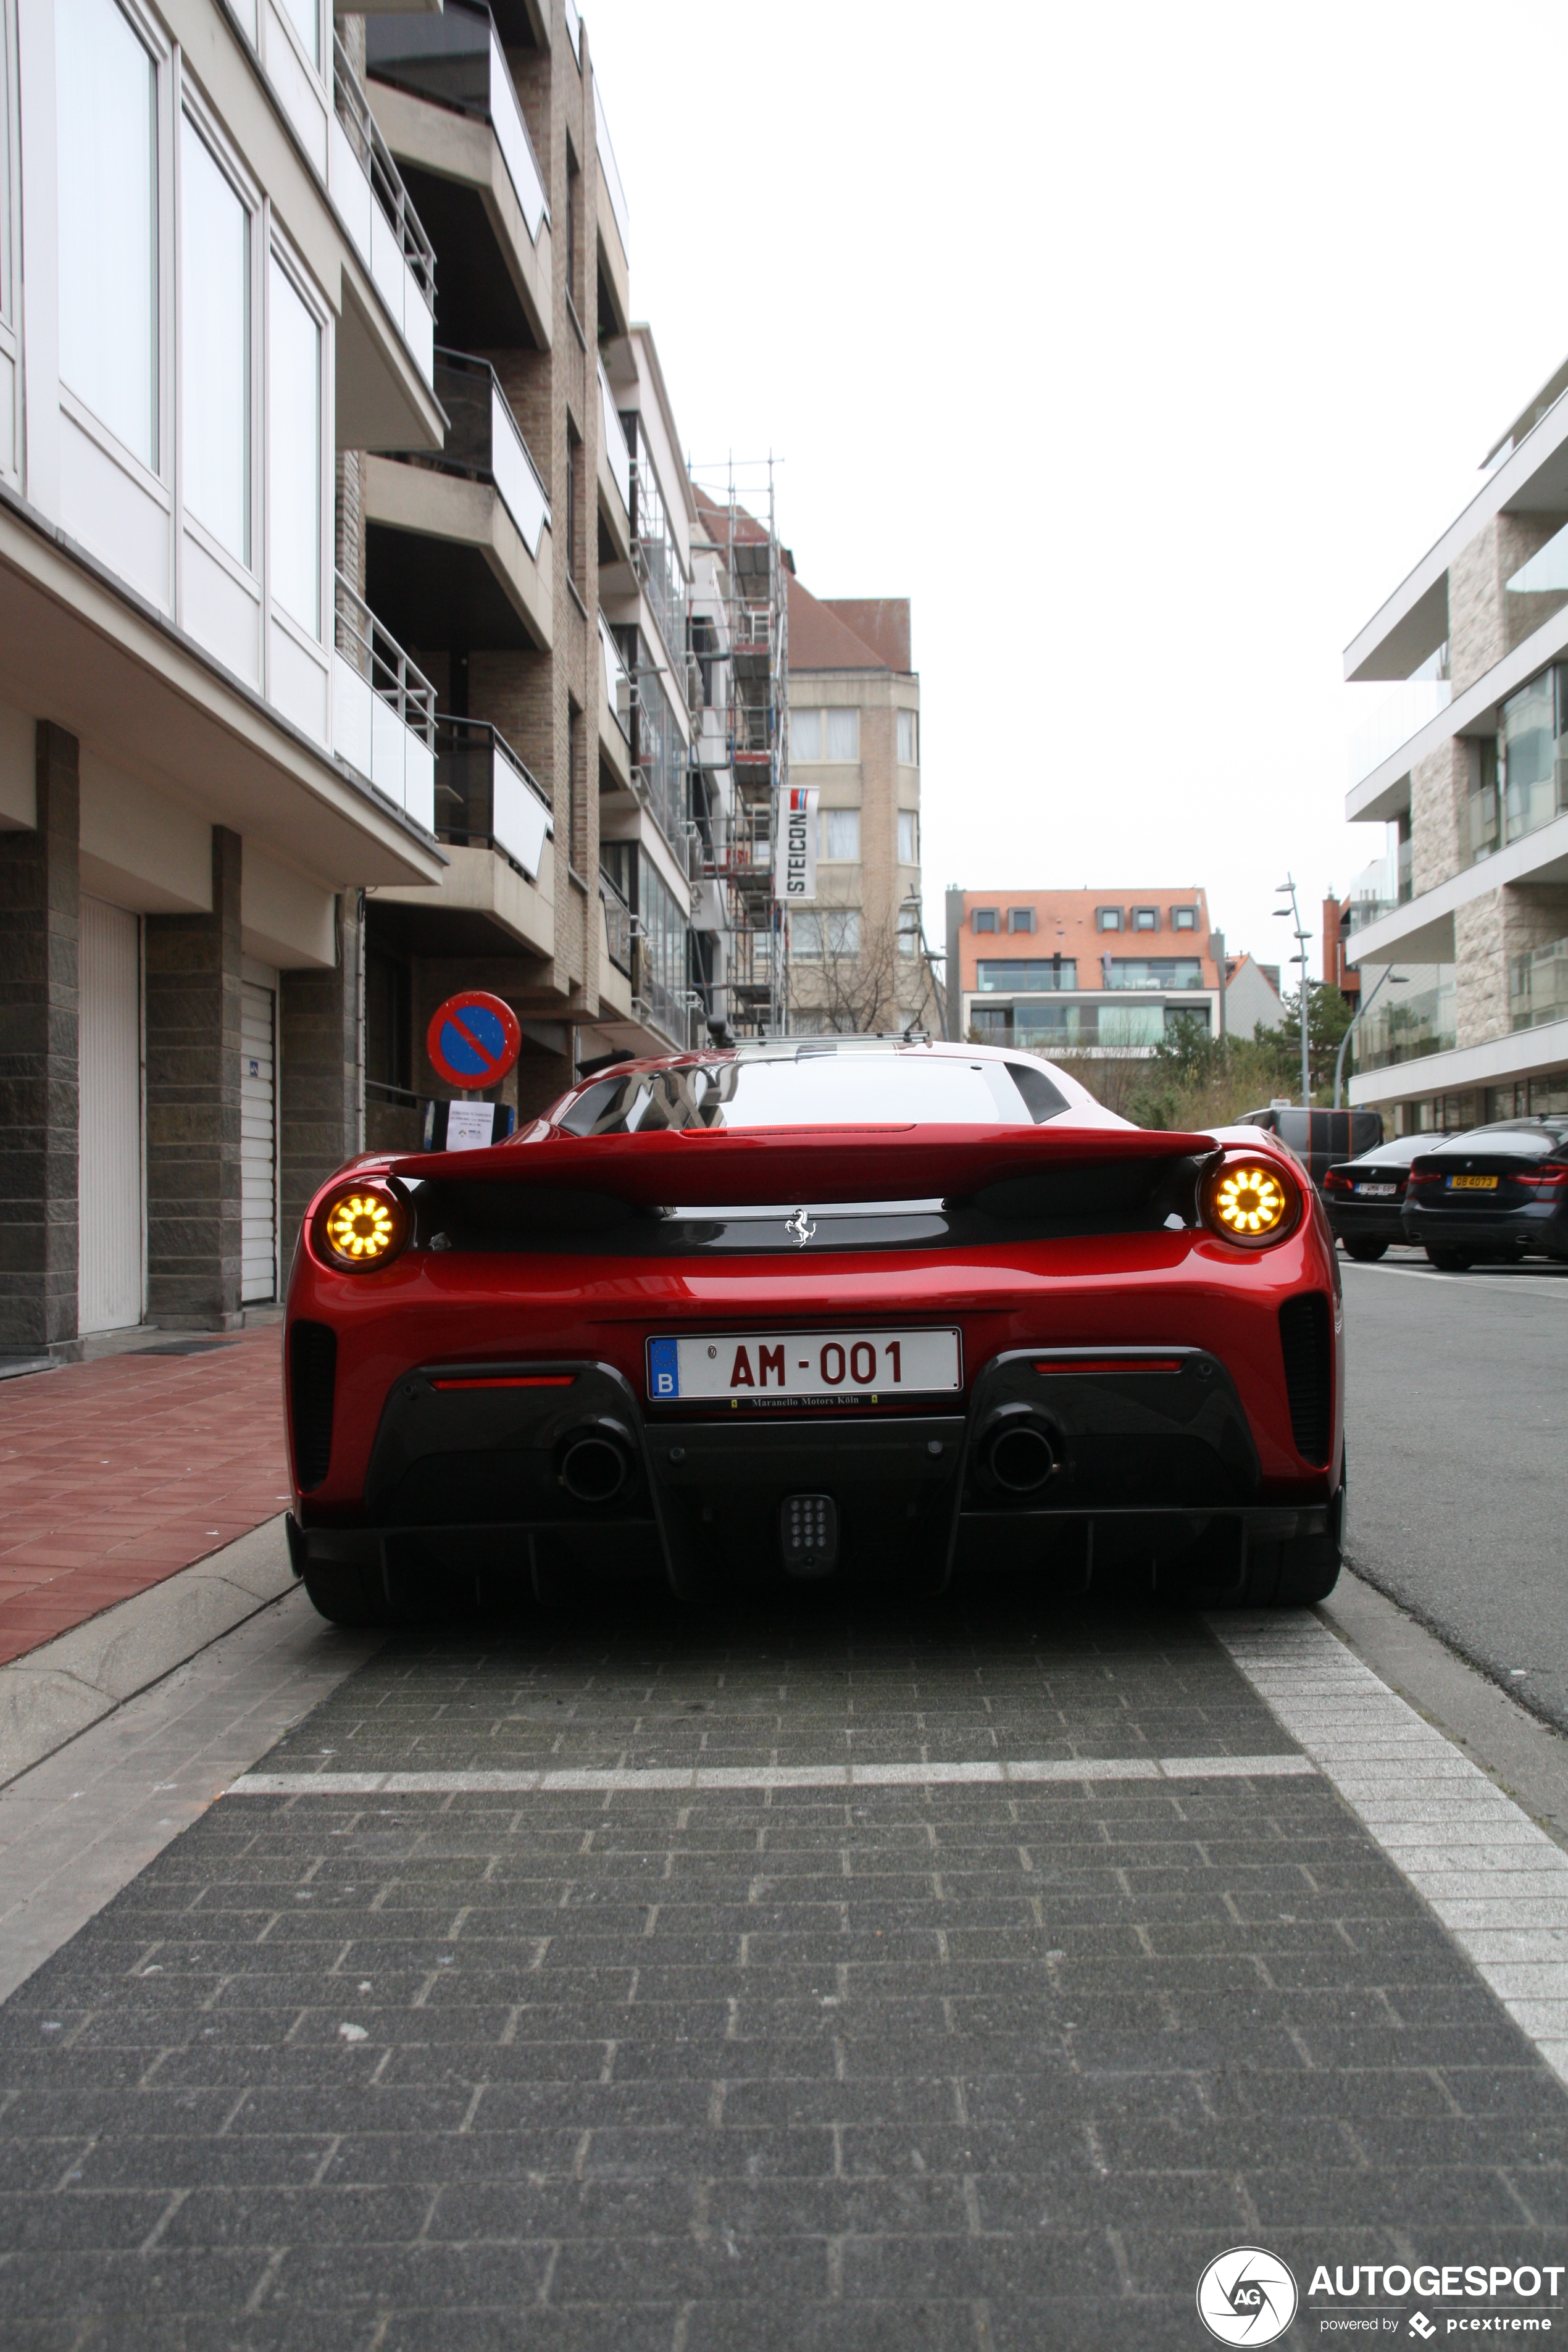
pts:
[1472, 1183]
[1377, 1192]
[862, 1364]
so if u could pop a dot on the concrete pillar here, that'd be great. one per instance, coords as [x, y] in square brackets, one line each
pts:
[193, 1018]
[321, 1081]
[40, 937]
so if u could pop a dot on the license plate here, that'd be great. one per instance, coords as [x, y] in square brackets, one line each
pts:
[1376, 1191]
[823, 1366]
[1472, 1183]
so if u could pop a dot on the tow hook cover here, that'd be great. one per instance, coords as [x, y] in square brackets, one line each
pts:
[808, 1534]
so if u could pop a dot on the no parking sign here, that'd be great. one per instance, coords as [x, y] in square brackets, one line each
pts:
[473, 1040]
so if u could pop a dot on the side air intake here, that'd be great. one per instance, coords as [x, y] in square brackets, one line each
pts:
[312, 1372]
[1304, 1337]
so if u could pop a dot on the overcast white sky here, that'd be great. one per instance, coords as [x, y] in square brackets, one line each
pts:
[1144, 347]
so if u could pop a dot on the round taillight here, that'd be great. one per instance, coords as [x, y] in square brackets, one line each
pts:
[1251, 1201]
[362, 1225]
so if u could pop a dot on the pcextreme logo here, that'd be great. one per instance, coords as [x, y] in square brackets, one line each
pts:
[1246, 2296]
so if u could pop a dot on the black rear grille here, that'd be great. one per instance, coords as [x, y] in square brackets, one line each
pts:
[1304, 1337]
[313, 1370]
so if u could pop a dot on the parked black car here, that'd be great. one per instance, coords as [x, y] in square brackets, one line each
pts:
[1319, 1138]
[1497, 1192]
[1364, 1197]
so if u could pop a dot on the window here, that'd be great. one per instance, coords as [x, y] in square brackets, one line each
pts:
[909, 739]
[574, 502]
[1154, 971]
[214, 346]
[1177, 1016]
[908, 930]
[909, 838]
[1020, 919]
[106, 98]
[294, 454]
[841, 836]
[1029, 979]
[834, 932]
[1184, 919]
[982, 919]
[1107, 919]
[818, 735]
[1145, 919]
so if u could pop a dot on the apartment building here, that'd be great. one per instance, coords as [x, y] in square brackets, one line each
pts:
[1100, 973]
[857, 956]
[538, 569]
[213, 281]
[1459, 929]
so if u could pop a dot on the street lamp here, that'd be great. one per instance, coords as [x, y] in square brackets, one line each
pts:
[1288, 889]
[1391, 979]
[911, 905]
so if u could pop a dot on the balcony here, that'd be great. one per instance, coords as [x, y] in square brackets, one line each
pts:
[617, 926]
[446, 103]
[1400, 716]
[366, 187]
[459, 542]
[485, 798]
[1407, 1024]
[614, 221]
[384, 710]
[614, 710]
[658, 1004]
[1538, 986]
[614, 473]
[1380, 886]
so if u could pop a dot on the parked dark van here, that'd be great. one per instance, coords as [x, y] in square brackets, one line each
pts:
[1320, 1138]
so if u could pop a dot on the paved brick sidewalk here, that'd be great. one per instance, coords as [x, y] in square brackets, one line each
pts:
[114, 1475]
[901, 2070]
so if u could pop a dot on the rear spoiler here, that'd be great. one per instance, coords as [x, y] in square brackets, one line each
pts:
[718, 1167]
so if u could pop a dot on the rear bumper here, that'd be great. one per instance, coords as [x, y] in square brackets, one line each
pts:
[1539, 1226]
[1139, 1464]
[1365, 1221]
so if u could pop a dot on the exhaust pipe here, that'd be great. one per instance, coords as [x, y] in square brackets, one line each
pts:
[594, 1462]
[1016, 1454]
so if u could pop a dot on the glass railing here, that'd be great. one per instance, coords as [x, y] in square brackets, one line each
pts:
[485, 798]
[617, 452]
[1401, 714]
[1152, 971]
[1544, 581]
[456, 60]
[1538, 986]
[618, 925]
[1404, 1025]
[659, 759]
[388, 234]
[1380, 886]
[383, 708]
[618, 679]
[484, 442]
[612, 170]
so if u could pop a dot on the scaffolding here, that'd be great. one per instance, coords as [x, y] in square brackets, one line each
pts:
[740, 771]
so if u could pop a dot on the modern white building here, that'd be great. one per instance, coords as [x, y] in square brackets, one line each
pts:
[1460, 927]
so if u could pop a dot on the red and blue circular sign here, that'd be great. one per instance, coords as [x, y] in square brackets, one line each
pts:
[473, 1040]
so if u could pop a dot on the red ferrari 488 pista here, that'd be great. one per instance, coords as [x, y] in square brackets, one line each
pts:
[814, 1305]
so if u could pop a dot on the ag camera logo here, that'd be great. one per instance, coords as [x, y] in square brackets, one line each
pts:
[1246, 2296]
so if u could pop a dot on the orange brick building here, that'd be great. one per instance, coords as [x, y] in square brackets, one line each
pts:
[1090, 971]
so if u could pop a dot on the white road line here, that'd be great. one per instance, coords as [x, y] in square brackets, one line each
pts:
[339, 1785]
[1469, 1281]
[1498, 1883]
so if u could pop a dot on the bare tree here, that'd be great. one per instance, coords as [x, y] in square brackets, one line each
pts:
[844, 971]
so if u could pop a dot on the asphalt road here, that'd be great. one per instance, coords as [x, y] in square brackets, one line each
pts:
[1457, 1432]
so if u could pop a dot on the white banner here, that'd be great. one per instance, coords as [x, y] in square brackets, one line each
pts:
[796, 862]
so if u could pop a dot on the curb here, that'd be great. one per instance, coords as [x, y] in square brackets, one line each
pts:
[65, 1685]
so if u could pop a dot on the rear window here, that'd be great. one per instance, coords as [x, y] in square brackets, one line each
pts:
[819, 1089]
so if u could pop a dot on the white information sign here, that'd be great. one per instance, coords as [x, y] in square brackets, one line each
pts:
[796, 862]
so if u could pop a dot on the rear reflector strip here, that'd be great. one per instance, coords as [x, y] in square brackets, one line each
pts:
[1080, 1364]
[514, 1380]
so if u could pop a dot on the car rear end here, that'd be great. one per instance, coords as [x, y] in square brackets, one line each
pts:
[1493, 1193]
[730, 1355]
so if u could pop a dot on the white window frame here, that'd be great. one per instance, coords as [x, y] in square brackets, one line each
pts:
[158, 481]
[911, 817]
[249, 574]
[912, 717]
[823, 712]
[832, 858]
[278, 249]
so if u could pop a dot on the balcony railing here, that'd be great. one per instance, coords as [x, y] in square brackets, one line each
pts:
[485, 798]
[1406, 1026]
[1380, 886]
[388, 234]
[383, 708]
[658, 1002]
[618, 925]
[456, 60]
[615, 448]
[485, 443]
[1402, 713]
[618, 679]
[611, 169]
[1538, 986]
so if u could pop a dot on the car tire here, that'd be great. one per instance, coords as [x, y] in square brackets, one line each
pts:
[1366, 1252]
[346, 1595]
[1449, 1261]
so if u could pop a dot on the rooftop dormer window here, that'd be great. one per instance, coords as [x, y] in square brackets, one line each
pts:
[1145, 919]
[1107, 919]
[982, 919]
